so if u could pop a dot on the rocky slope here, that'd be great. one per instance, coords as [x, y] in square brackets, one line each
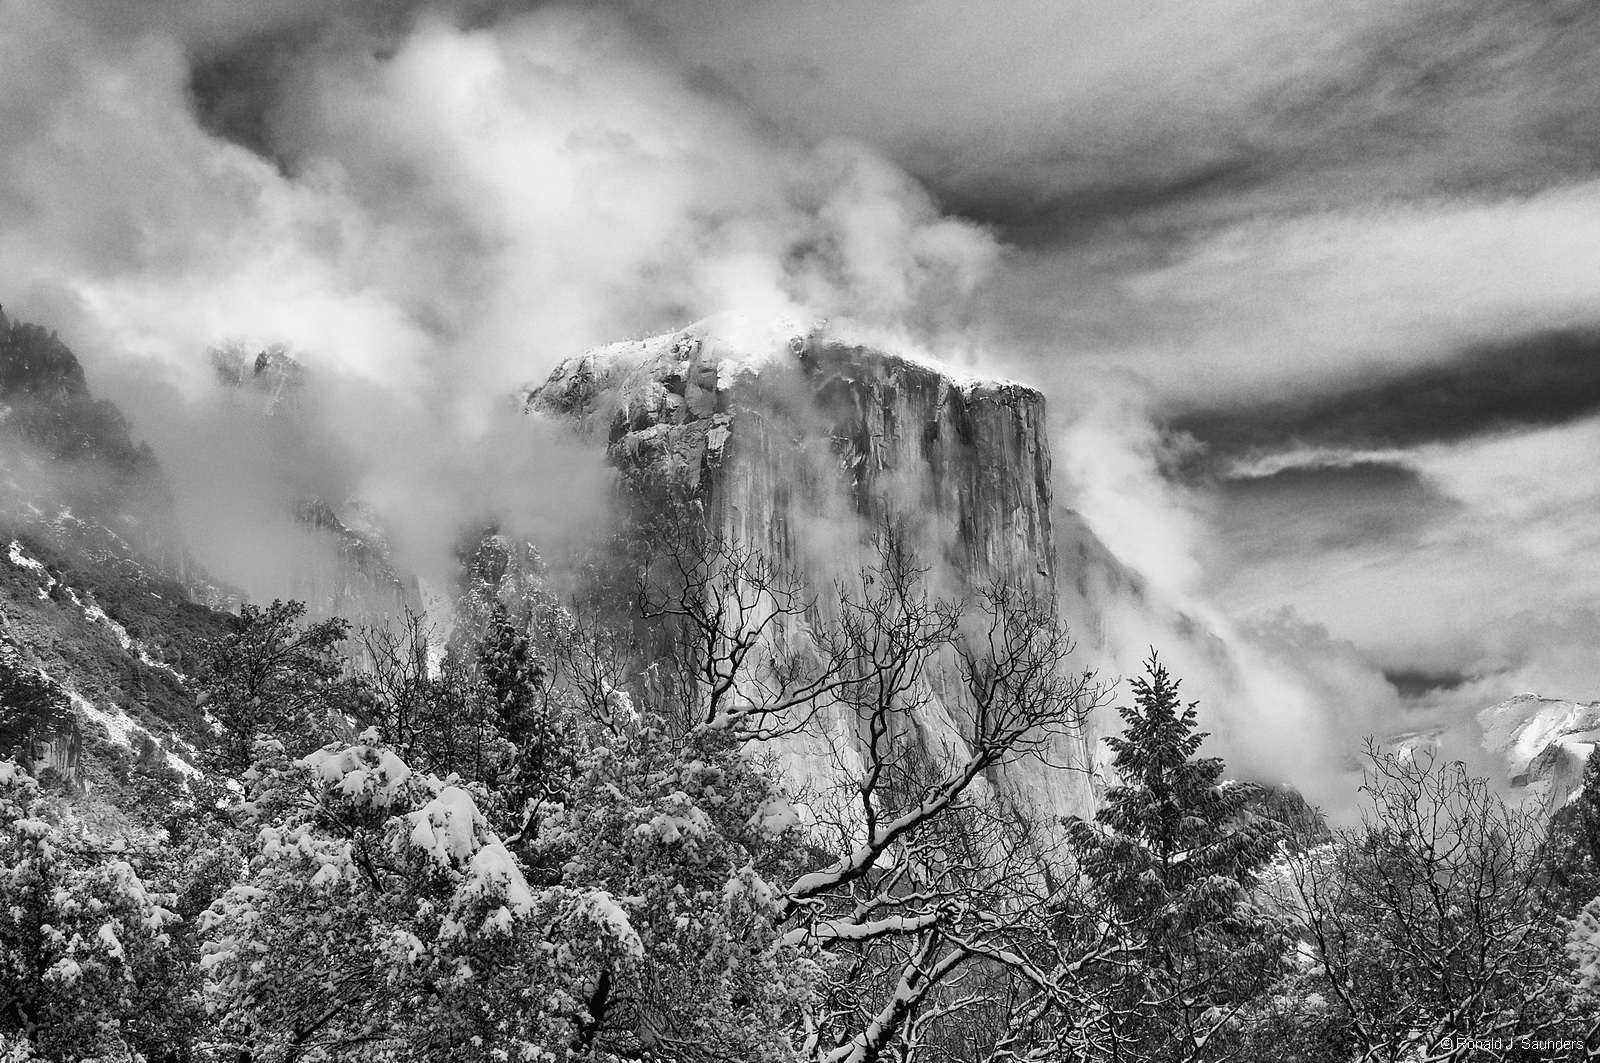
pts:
[802, 442]
[68, 462]
[101, 607]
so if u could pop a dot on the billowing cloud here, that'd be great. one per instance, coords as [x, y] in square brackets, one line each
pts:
[449, 208]
[1313, 287]
[1435, 563]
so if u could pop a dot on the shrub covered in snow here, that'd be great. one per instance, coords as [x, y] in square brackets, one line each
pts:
[681, 834]
[381, 910]
[88, 968]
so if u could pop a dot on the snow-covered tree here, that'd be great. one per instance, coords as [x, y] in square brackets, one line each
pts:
[88, 966]
[1170, 860]
[1429, 927]
[694, 842]
[384, 918]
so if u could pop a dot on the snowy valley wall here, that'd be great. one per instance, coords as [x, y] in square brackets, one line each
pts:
[801, 444]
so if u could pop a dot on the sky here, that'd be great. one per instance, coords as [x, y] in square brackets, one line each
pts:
[1347, 251]
[1313, 287]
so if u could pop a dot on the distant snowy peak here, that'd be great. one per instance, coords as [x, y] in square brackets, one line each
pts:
[1543, 742]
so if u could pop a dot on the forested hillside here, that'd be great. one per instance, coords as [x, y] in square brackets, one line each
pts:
[526, 852]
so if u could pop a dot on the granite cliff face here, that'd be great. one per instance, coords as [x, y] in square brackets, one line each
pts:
[781, 429]
[352, 573]
[802, 442]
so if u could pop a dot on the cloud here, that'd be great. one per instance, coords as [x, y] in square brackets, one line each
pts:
[1111, 456]
[1035, 94]
[1333, 504]
[1292, 309]
[1465, 536]
[1546, 518]
[1336, 242]
[443, 218]
[1057, 114]
[571, 188]
[1547, 378]
[1284, 700]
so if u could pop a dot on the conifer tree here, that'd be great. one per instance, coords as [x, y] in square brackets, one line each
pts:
[536, 726]
[1172, 857]
[1175, 809]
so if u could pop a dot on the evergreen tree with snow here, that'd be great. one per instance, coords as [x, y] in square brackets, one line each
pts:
[537, 726]
[1171, 859]
[92, 963]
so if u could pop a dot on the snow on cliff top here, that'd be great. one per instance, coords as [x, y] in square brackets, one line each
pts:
[742, 343]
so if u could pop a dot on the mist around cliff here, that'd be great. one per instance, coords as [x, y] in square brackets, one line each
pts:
[438, 214]
[431, 204]
[1344, 255]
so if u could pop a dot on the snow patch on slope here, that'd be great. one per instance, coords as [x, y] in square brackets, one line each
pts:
[18, 556]
[20, 559]
[118, 725]
[96, 615]
[120, 729]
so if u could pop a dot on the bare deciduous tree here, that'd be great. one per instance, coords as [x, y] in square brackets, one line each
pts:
[929, 877]
[1427, 924]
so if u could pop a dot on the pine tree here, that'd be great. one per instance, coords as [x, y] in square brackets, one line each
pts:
[1187, 823]
[1172, 857]
[537, 727]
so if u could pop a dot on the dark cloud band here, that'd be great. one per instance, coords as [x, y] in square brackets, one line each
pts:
[1542, 380]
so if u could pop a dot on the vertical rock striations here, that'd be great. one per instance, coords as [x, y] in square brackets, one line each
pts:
[804, 430]
[800, 442]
